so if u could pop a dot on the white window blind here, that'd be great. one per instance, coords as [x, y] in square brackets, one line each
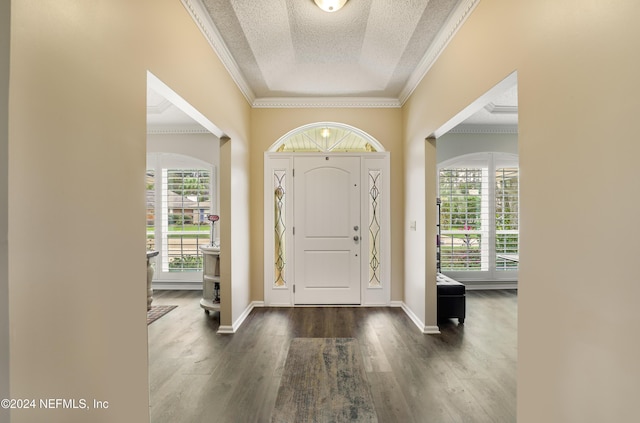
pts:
[506, 204]
[151, 209]
[186, 201]
[479, 216]
[464, 218]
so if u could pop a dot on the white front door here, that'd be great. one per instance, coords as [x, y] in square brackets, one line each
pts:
[327, 230]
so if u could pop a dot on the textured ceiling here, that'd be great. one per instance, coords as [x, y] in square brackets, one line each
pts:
[371, 53]
[291, 48]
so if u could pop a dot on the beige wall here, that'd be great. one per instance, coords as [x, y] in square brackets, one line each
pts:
[451, 145]
[199, 146]
[78, 90]
[77, 134]
[5, 30]
[268, 125]
[579, 94]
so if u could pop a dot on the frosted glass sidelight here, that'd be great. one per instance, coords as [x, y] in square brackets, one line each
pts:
[279, 228]
[374, 227]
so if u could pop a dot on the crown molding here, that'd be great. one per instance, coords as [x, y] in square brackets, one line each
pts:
[202, 19]
[320, 102]
[159, 108]
[444, 37]
[497, 109]
[485, 129]
[177, 131]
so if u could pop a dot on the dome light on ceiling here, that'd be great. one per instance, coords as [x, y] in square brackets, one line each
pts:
[330, 5]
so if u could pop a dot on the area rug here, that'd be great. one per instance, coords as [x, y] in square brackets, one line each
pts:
[324, 381]
[157, 312]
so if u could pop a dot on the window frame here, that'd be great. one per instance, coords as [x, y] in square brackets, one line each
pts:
[491, 161]
[158, 162]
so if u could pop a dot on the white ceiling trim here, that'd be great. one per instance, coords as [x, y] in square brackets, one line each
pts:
[477, 105]
[159, 108]
[484, 129]
[494, 108]
[174, 98]
[453, 24]
[202, 19]
[317, 102]
[176, 131]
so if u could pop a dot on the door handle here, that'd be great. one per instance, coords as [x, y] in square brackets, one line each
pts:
[355, 228]
[356, 238]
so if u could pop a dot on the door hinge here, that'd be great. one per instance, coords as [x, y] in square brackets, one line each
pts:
[294, 230]
[294, 289]
[293, 171]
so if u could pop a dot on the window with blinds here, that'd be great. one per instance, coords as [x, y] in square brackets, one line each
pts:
[151, 209]
[463, 218]
[479, 215]
[506, 208]
[180, 195]
[186, 201]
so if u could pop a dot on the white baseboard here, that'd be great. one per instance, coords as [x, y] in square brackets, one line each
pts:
[414, 318]
[430, 330]
[225, 329]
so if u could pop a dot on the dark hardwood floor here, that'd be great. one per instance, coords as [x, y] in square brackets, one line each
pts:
[466, 374]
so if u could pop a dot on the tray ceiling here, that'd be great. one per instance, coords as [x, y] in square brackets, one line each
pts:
[289, 53]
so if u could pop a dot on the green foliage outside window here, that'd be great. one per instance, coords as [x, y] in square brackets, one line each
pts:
[189, 183]
[186, 262]
[464, 194]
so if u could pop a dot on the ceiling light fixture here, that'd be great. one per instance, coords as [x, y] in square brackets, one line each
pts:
[330, 5]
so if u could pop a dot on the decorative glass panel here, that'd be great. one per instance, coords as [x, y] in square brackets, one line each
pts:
[375, 181]
[279, 227]
[326, 139]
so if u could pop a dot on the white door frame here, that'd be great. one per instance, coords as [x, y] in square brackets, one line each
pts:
[279, 167]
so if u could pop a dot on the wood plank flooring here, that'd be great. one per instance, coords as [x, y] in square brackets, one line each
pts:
[466, 374]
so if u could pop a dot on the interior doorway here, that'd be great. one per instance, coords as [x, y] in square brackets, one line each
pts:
[182, 188]
[478, 191]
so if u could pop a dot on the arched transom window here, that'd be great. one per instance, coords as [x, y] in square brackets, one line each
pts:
[327, 137]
